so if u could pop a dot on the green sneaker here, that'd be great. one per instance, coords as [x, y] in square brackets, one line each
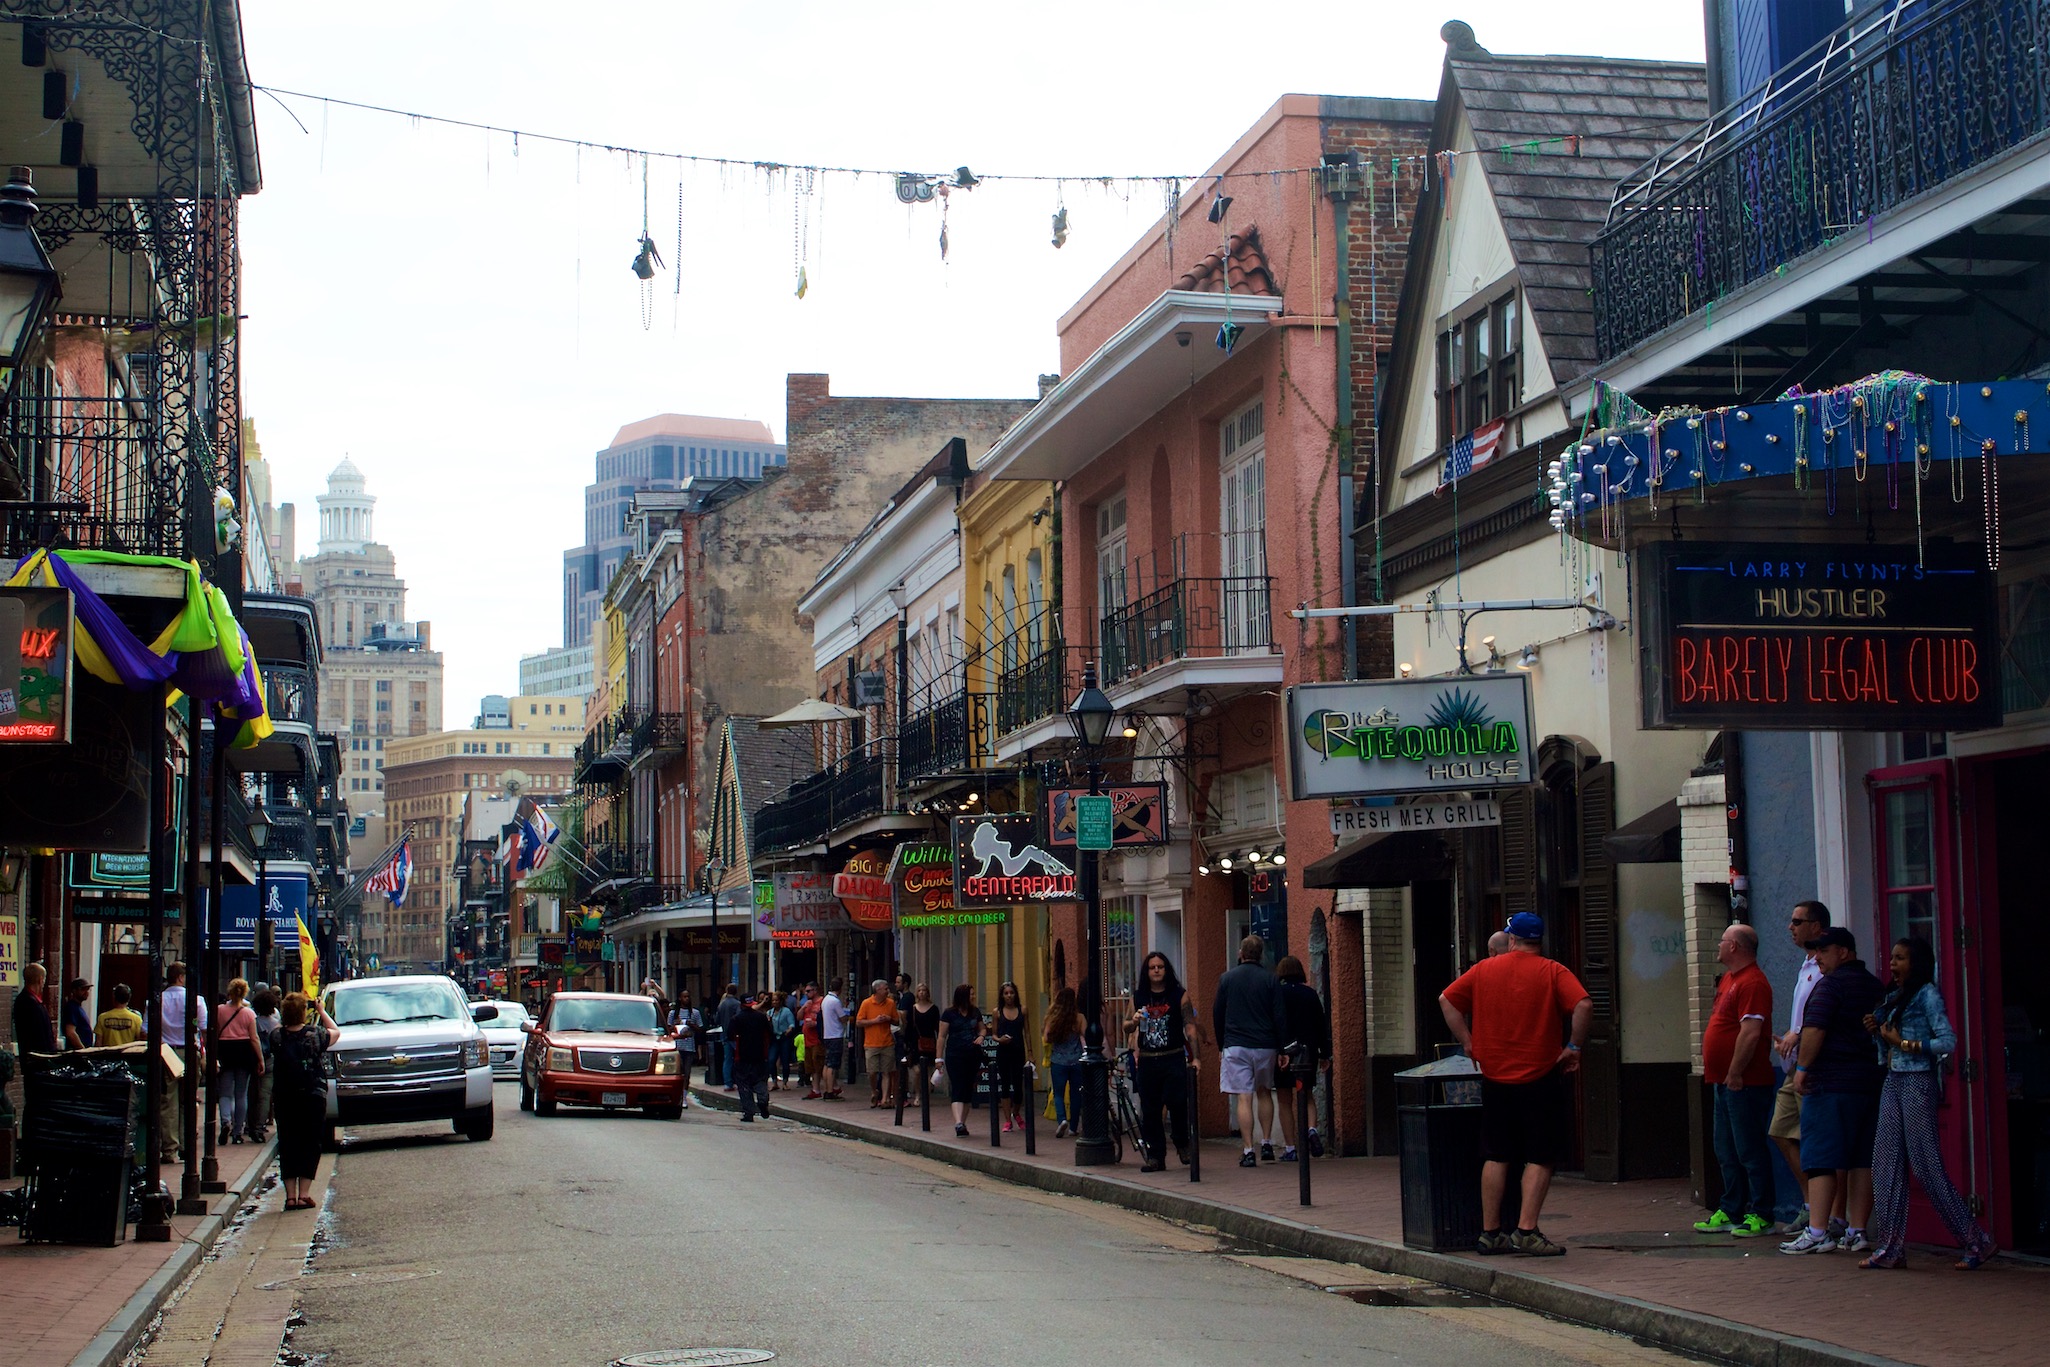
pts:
[1718, 1223]
[1752, 1227]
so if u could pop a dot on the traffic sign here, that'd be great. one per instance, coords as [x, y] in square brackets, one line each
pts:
[1093, 823]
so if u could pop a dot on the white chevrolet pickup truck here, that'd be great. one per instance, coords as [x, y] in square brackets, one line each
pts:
[411, 1050]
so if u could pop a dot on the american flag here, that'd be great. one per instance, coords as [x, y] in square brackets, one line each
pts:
[391, 877]
[1470, 452]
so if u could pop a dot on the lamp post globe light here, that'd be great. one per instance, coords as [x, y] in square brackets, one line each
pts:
[1091, 715]
[28, 282]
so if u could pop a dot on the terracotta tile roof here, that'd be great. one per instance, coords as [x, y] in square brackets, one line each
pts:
[1247, 269]
[1553, 199]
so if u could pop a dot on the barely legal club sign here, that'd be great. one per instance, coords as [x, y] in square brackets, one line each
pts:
[1819, 638]
[1471, 731]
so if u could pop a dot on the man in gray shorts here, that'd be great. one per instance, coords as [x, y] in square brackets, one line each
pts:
[1251, 1023]
[1809, 919]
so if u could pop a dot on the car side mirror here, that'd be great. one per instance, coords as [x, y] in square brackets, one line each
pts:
[526, 1027]
[485, 1012]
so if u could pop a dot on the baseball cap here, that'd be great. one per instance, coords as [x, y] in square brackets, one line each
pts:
[1835, 935]
[1526, 925]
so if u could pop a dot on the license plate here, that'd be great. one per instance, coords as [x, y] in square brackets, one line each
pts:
[612, 1098]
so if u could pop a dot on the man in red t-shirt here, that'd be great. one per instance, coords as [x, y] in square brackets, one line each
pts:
[1737, 1058]
[1519, 1005]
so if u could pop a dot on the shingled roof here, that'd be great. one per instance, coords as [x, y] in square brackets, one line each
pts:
[1590, 122]
[765, 763]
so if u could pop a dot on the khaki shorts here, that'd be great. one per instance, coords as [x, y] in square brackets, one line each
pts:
[1786, 1112]
[881, 1061]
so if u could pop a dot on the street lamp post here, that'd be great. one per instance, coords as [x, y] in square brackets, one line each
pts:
[1091, 717]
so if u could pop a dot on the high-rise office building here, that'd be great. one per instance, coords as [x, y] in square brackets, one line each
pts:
[661, 452]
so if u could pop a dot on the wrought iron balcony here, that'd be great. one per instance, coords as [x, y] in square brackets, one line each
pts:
[81, 471]
[1188, 618]
[810, 810]
[1038, 686]
[608, 863]
[1889, 108]
[659, 734]
[289, 694]
[945, 738]
[607, 748]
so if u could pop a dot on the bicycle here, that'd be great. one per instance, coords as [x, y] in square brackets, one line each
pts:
[1124, 1112]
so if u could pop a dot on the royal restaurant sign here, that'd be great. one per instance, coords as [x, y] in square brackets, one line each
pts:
[1818, 638]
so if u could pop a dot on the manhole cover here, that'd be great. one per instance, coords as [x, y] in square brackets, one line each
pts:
[695, 1357]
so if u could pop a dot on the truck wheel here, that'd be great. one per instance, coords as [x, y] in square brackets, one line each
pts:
[526, 1094]
[476, 1126]
[544, 1105]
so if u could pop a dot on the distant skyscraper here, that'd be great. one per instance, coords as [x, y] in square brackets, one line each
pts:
[564, 671]
[661, 452]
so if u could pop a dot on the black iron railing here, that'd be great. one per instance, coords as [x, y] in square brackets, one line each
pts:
[80, 475]
[1889, 108]
[1187, 618]
[851, 789]
[945, 738]
[1039, 686]
[658, 733]
[606, 748]
[288, 694]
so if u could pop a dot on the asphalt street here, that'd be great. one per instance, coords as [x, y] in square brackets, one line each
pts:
[585, 1237]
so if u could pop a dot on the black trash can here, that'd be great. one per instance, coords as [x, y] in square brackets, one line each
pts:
[78, 1145]
[1438, 1134]
[713, 1045]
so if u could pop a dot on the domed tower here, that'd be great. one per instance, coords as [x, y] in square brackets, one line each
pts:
[345, 510]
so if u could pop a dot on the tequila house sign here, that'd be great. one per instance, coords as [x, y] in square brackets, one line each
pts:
[1819, 638]
[1470, 731]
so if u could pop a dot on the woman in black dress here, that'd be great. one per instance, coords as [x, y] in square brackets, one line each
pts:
[962, 1027]
[1009, 1024]
[300, 1095]
[922, 1033]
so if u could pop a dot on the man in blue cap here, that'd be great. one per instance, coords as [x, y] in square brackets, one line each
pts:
[1522, 1017]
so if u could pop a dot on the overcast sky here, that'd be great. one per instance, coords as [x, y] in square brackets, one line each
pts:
[457, 315]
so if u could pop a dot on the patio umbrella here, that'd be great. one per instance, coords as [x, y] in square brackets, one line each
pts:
[810, 712]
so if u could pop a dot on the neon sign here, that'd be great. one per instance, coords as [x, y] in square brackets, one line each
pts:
[1409, 735]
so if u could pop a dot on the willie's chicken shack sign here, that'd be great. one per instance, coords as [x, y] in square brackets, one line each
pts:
[1818, 638]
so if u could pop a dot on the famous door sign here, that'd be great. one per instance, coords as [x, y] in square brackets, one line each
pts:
[1818, 638]
[1467, 732]
[998, 862]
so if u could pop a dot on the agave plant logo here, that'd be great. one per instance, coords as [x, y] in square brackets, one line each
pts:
[1458, 707]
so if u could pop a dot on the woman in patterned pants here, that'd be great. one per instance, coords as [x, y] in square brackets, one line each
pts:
[1914, 1034]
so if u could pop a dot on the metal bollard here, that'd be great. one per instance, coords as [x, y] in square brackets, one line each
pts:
[903, 1076]
[1029, 1106]
[1302, 1135]
[925, 1094]
[1195, 1074]
[991, 1088]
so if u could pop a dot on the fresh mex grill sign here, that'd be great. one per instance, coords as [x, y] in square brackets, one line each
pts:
[1409, 736]
[999, 862]
[1819, 638]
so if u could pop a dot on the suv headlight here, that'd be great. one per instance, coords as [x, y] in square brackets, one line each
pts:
[559, 1061]
[477, 1053]
[665, 1062]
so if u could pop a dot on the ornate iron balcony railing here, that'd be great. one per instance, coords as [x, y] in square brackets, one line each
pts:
[1188, 618]
[945, 738]
[1890, 107]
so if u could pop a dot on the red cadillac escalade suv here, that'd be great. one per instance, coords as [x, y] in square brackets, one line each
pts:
[601, 1049]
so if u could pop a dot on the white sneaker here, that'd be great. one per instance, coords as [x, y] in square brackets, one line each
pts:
[1854, 1242]
[1809, 1242]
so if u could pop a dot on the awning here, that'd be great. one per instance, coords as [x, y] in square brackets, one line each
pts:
[1653, 838]
[1385, 859]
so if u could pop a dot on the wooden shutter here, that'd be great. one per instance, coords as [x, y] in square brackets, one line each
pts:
[1519, 850]
[1601, 1060]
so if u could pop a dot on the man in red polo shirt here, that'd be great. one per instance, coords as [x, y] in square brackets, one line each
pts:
[1519, 1004]
[1737, 1057]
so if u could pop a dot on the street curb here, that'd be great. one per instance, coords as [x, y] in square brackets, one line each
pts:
[1662, 1325]
[121, 1333]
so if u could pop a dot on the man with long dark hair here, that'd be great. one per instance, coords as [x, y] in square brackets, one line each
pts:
[1164, 1039]
[1306, 1052]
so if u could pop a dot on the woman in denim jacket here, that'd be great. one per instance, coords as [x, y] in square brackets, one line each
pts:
[1915, 1039]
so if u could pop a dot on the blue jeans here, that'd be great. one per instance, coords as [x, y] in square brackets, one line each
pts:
[1743, 1151]
[1067, 1092]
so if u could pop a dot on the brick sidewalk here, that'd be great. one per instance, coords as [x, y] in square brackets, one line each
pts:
[1634, 1240]
[55, 1299]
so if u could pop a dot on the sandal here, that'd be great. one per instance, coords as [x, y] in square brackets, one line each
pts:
[1883, 1261]
[1978, 1257]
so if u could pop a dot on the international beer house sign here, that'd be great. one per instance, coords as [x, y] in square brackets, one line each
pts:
[1368, 739]
[1818, 638]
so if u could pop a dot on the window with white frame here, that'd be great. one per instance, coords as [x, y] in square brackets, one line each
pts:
[1110, 555]
[1242, 520]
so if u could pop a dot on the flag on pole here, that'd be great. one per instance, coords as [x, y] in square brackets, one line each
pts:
[1470, 452]
[392, 876]
[309, 958]
[537, 837]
